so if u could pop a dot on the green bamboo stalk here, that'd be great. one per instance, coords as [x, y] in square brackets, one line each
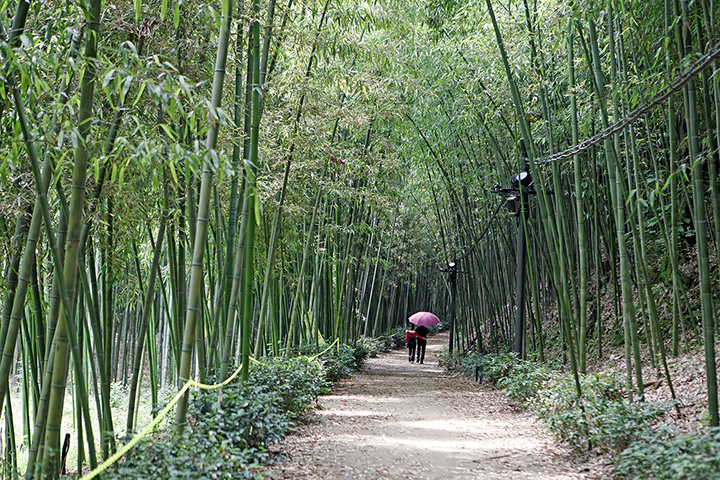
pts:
[700, 216]
[147, 307]
[80, 386]
[9, 468]
[55, 245]
[305, 258]
[196, 275]
[239, 258]
[251, 169]
[629, 314]
[706, 36]
[101, 397]
[233, 211]
[35, 335]
[615, 186]
[269, 262]
[661, 217]
[581, 230]
[11, 273]
[18, 277]
[72, 254]
[237, 279]
[23, 281]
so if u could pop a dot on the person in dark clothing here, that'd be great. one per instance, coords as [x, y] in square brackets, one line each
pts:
[422, 333]
[410, 342]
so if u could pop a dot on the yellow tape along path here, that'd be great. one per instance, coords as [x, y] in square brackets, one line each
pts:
[163, 413]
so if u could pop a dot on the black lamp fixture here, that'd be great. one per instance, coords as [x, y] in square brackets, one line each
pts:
[521, 179]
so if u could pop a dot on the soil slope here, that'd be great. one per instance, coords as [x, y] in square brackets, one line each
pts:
[399, 420]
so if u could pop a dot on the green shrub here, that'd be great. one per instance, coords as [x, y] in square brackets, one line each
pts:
[600, 419]
[497, 366]
[366, 347]
[524, 380]
[297, 380]
[227, 439]
[247, 417]
[450, 360]
[223, 440]
[164, 458]
[661, 455]
[460, 362]
[519, 379]
[338, 361]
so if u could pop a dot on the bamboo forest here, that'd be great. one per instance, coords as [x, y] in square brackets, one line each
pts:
[196, 194]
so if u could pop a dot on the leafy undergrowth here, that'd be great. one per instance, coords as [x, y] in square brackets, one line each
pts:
[663, 454]
[228, 432]
[601, 420]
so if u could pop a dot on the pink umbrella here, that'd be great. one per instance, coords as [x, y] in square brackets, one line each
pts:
[424, 318]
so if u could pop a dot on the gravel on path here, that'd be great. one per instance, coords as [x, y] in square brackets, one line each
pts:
[399, 420]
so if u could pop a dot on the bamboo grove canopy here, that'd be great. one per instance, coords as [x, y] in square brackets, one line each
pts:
[187, 184]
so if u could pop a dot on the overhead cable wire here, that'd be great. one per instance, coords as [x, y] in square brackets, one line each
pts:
[672, 88]
[482, 234]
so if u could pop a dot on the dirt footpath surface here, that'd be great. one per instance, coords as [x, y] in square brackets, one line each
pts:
[399, 420]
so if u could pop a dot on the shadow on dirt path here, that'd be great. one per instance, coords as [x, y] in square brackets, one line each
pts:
[399, 420]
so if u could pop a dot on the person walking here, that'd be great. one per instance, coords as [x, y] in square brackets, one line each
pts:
[410, 342]
[421, 332]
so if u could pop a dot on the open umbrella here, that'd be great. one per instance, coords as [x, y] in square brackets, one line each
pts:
[424, 318]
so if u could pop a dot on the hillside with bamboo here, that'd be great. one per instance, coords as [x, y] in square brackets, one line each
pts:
[187, 187]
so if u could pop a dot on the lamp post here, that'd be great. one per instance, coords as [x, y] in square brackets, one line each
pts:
[521, 186]
[521, 256]
[452, 271]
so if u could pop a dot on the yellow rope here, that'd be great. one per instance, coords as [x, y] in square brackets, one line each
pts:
[163, 413]
[156, 421]
[327, 349]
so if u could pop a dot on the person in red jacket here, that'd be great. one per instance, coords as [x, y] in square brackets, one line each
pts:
[410, 337]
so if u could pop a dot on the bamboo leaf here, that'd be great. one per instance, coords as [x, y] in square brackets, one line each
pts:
[172, 108]
[652, 197]
[215, 15]
[258, 209]
[138, 6]
[59, 171]
[108, 78]
[215, 159]
[163, 10]
[168, 131]
[667, 182]
[126, 85]
[184, 87]
[176, 15]
[173, 173]
[139, 94]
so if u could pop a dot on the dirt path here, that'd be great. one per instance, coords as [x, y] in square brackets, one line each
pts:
[397, 420]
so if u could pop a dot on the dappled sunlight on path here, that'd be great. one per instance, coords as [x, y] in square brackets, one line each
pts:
[397, 420]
